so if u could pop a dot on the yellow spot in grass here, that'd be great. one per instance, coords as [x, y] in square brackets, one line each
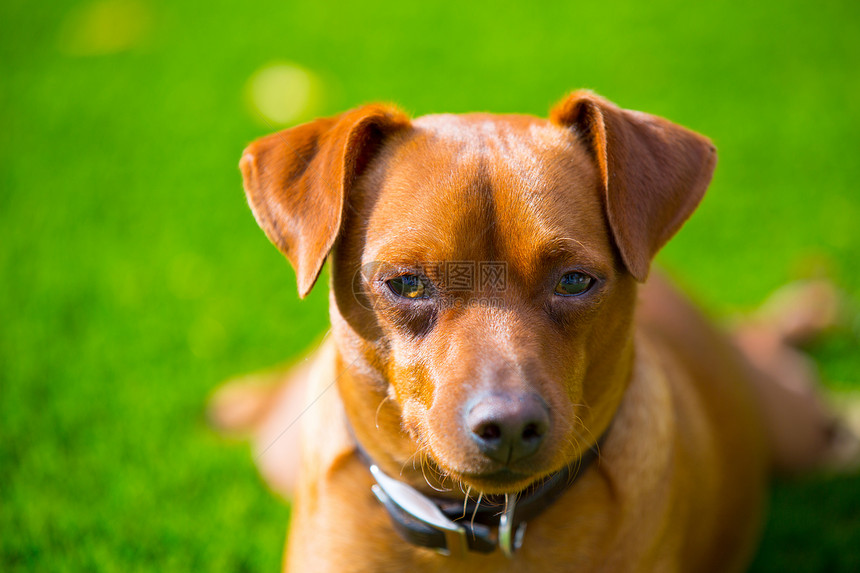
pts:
[104, 27]
[283, 93]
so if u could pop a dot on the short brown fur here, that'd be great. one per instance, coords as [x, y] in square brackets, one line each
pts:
[680, 480]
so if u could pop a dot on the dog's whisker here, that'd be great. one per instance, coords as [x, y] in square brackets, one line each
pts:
[591, 437]
[573, 464]
[423, 464]
[378, 409]
[586, 441]
[575, 240]
[475, 511]
[570, 457]
[411, 458]
[466, 502]
[590, 434]
[406, 461]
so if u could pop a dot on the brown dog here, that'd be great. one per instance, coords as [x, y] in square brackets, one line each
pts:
[494, 345]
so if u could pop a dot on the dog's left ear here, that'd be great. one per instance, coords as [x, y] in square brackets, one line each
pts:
[298, 181]
[653, 172]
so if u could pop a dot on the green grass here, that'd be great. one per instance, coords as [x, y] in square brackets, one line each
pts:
[134, 278]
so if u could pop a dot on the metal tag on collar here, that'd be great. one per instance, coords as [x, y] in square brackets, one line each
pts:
[509, 540]
[418, 506]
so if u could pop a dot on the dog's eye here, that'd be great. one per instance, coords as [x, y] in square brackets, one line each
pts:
[573, 284]
[408, 286]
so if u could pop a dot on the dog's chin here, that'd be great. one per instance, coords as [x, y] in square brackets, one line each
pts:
[490, 478]
[499, 482]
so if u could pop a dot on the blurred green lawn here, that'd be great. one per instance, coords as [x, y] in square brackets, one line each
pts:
[134, 278]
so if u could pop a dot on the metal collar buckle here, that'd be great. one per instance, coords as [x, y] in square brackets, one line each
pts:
[422, 509]
[510, 539]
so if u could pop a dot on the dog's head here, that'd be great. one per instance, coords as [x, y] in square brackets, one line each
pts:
[484, 269]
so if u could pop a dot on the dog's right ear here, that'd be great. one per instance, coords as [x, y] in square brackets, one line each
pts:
[653, 172]
[297, 181]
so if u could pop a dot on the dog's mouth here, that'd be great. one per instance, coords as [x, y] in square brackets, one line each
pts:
[493, 481]
[504, 481]
[483, 476]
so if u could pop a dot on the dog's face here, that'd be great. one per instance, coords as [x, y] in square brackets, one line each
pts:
[486, 283]
[484, 275]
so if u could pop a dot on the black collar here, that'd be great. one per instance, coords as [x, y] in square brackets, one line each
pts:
[453, 527]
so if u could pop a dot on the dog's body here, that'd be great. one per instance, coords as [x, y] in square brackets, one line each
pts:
[493, 387]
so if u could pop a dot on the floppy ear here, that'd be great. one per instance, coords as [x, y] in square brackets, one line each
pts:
[297, 181]
[653, 172]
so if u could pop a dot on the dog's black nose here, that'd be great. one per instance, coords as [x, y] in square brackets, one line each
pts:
[508, 427]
